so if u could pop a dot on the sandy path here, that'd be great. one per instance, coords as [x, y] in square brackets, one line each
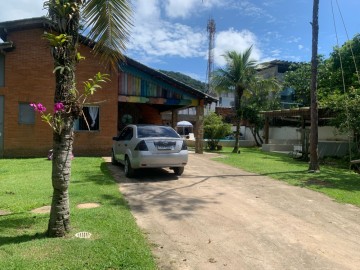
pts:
[219, 217]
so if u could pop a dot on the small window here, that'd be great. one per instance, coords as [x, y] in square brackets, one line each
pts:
[2, 70]
[89, 120]
[26, 114]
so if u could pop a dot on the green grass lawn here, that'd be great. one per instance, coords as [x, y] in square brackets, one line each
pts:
[116, 242]
[335, 181]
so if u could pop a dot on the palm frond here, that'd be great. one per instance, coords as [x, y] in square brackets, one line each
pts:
[109, 23]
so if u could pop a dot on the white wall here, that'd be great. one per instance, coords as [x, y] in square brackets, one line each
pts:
[245, 131]
[326, 133]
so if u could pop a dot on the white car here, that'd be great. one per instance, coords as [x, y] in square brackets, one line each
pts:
[149, 146]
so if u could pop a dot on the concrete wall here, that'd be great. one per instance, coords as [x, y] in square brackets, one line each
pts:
[326, 133]
[331, 142]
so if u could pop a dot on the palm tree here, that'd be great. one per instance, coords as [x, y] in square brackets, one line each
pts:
[236, 76]
[108, 21]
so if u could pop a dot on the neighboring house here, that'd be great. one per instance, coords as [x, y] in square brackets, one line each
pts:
[135, 94]
[276, 69]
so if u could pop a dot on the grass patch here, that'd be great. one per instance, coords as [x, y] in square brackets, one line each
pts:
[116, 242]
[338, 183]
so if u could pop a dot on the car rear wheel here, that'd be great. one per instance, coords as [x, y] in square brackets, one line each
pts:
[129, 171]
[178, 170]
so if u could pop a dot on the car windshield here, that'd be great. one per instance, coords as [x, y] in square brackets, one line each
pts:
[156, 131]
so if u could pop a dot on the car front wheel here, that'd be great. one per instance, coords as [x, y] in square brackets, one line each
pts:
[113, 159]
[178, 170]
[129, 171]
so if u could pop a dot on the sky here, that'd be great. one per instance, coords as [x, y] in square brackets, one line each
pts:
[172, 34]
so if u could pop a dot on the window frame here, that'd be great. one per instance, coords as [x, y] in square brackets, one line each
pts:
[26, 120]
[80, 123]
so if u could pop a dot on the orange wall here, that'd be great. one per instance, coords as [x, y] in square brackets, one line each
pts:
[29, 78]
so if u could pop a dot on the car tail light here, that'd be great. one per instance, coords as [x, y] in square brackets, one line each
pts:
[141, 146]
[184, 146]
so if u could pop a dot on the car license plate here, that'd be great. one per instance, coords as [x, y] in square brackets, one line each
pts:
[165, 147]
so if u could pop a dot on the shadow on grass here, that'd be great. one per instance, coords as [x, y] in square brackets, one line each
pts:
[115, 200]
[7, 240]
[19, 225]
[100, 178]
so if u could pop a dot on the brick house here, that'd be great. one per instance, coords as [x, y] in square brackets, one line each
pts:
[136, 94]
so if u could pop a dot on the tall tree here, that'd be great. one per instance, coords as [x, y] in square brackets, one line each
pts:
[236, 77]
[108, 22]
[314, 161]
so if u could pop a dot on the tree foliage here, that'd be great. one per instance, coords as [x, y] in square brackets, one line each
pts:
[215, 129]
[338, 84]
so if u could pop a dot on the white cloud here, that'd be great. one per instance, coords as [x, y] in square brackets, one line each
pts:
[276, 53]
[234, 40]
[21, 9]
[175, 8]
[154, 37]
[293, 39]
[300, 47]
[147, 11]
[185, 8]
[253, 10]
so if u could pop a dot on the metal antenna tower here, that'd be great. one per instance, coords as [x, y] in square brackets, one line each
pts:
[210, 67]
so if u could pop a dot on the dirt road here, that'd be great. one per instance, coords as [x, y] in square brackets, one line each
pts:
[219, 217]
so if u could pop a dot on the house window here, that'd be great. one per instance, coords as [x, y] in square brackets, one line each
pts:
[2, 70]
[89, 120]
[26, 114]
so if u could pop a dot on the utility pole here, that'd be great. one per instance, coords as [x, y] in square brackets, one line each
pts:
[314, 161]
[211, 28]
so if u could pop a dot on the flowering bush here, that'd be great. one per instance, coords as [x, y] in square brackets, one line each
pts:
[54, 121]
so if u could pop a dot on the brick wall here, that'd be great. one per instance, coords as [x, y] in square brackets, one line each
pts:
[29, 78]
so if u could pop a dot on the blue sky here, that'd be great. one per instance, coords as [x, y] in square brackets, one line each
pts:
[171, 34]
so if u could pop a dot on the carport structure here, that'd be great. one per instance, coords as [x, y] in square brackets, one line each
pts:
[144, 94]
[300, 118]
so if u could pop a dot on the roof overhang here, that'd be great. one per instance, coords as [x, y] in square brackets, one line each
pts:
[302, 112]
[165, 78]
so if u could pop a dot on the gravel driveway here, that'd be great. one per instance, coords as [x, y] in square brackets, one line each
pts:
[219, 217]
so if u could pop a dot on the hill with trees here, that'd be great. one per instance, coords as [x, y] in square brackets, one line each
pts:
[198, 85]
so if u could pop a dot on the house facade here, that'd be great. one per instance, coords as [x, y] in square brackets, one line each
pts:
[135, 94]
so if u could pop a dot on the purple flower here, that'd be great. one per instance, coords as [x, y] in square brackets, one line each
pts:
[41, 108]
[58, 107]
[38, 107]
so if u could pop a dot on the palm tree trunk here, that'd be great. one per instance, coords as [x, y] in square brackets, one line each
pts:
[59, 222]
[237, 100]
[314, 163]
[237, 134]
[64, 56]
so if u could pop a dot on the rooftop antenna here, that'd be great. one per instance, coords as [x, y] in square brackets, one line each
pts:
[210, 67]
